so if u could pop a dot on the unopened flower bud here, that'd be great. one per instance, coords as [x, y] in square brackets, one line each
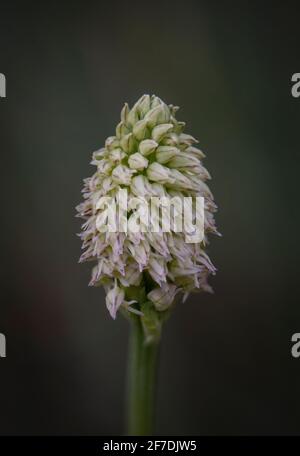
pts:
[124, 113]
[157, 115]
[165, 153]
[127, 143]
[147, 147]
[143, 105]
[193, 151]
[137, 161]
[140, 130]
[160, 131]
[132, 116]
[122, 130]
[159, 173]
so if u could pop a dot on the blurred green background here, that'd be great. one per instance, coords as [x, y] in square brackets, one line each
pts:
[225, 364]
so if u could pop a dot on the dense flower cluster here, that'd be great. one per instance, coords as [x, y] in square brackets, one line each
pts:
[149, 156]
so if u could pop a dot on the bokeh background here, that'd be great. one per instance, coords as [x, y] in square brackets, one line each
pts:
[225, 366]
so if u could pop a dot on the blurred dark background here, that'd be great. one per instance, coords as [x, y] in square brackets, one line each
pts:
[226, 366]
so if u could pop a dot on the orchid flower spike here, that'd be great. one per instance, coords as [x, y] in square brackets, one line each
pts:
[149, 156]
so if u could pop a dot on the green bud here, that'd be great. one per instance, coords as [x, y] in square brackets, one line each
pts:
[187, 139]
[165, 153]
[137, 161]
[160, 131]
[183, 161]
[132, 116]
[122, 130]
[147, 147]
[159, 173]
[157, 115]
[195, 152]
[124, 113]
[140, 130]
[143, 105]
[128, 143]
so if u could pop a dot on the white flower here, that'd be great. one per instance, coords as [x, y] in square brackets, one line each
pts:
[114, 299]
[133, 275]
[158, 268]
[140, 253]
[122, 175]
[117, 155]
[150, 155]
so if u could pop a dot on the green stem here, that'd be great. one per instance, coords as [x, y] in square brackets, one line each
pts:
[142, 359]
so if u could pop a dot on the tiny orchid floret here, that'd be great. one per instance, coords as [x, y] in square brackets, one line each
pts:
[149, 156]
